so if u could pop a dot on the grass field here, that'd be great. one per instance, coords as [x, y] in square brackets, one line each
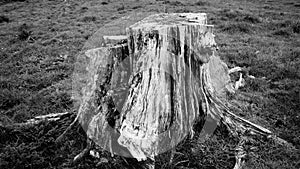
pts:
[39, 41]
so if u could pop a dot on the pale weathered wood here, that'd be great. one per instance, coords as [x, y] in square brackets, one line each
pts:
[145, 90]
[166, 52]
[49, 117]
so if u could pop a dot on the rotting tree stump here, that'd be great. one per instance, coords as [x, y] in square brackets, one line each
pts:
[146, 90]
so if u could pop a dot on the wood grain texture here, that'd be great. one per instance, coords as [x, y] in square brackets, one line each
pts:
[145, 95]
[166, 97]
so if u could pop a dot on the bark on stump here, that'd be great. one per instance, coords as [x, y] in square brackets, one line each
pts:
[147, 89]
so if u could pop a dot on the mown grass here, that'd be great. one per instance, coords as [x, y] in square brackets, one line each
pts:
[39, 41]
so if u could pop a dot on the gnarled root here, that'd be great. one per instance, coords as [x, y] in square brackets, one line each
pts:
[84, 152]
[237, 126]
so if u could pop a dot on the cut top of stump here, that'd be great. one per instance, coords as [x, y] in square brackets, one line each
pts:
[167, 20]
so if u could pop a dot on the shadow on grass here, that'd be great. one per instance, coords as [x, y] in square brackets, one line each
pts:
[284, 28]
[237, 27]
[240, 16]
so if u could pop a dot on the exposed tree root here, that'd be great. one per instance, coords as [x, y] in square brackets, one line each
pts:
[49, 117]
[84, 152]
[71, 126]
[240, 154]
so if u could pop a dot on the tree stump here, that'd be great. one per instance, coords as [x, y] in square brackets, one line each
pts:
[167, 52]
[146, 90]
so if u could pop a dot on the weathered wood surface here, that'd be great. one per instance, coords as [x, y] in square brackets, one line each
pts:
[165, 95]
[97, 40]
[166, 52]
[98, 114]
[144, 94]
